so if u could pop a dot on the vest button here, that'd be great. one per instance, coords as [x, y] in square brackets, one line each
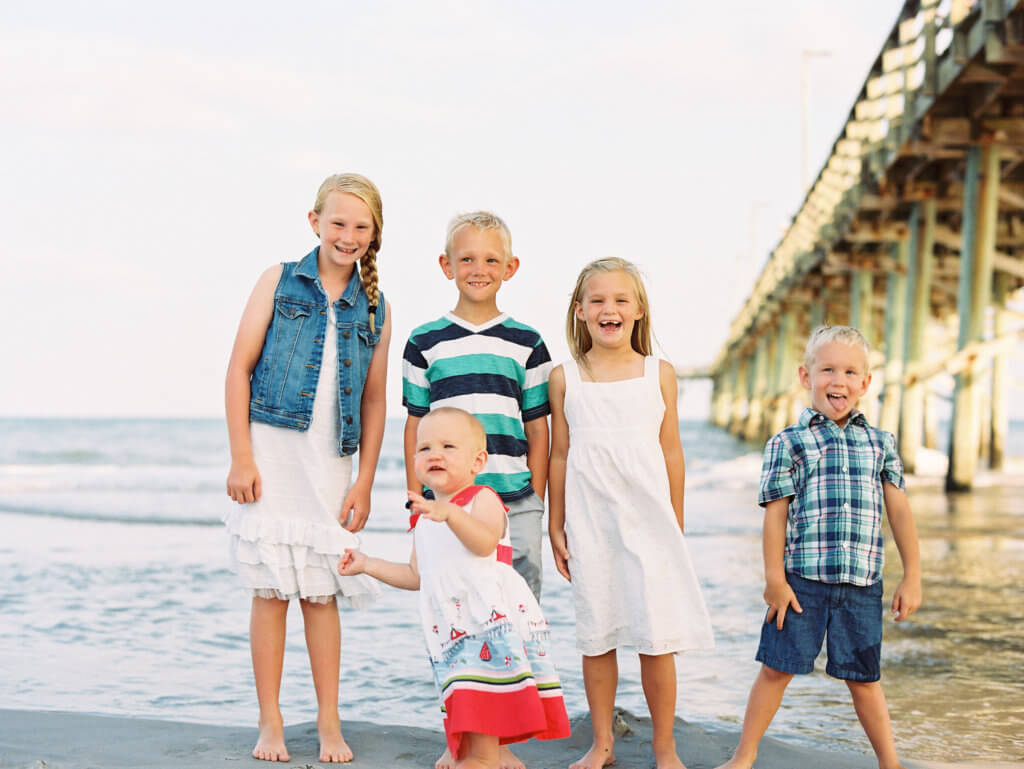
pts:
[348, 420]
[347, 334]
[348, 391]
[348, 362]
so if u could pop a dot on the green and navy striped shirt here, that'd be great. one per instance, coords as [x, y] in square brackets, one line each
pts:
[498, 372]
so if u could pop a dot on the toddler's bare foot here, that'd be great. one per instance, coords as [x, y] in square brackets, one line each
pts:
[599, 755]
[445, 761]
[736, 763]
[509, 760]
[270, 743]
[333, 748]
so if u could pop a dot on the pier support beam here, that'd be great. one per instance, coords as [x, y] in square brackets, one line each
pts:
[785, 372]
[1000, 374]
[758, 390]
[895, 328]
[862, 294]
[741, 395]
[919, 292]
[976, 257]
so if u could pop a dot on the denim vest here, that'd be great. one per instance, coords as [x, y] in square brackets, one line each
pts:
[284, 381]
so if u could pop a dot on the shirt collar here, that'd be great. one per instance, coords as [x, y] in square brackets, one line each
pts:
[811, 417]
[306, 268]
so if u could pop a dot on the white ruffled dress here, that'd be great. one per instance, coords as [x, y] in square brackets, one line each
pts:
[287, 544]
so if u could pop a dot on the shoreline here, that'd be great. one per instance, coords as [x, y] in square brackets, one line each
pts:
[66, 740]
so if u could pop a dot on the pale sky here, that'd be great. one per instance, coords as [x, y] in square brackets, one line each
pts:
[158, 157]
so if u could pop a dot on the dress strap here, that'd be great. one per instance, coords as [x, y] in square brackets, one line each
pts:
[652, 368]
[572, 374]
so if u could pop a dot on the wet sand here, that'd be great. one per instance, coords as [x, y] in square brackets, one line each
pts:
[59, 740]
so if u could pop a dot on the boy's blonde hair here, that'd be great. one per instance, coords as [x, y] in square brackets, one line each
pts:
[482, 220]
[576, 331]
[824, 335]
[475, 426]
[366, 191]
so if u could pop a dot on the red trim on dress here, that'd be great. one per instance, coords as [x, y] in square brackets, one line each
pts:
[510, 716]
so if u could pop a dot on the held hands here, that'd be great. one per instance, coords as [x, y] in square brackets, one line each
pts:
[907, 598]
[352, 562]
[561, 552]
[430, 509]
[356, 507]
[244, 484]
[780, 596]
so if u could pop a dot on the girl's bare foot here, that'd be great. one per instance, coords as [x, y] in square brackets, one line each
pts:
[445, 761]
[333, 748]
[596, 757]
[270, 743]
[668, 758]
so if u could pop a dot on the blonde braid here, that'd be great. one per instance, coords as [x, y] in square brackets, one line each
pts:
[368, 274]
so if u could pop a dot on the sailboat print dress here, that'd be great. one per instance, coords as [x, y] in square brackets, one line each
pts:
[485, 635]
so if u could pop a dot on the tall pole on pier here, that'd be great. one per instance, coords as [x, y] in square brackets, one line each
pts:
[805, 178]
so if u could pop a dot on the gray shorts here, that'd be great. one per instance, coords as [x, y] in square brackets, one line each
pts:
[524, 523]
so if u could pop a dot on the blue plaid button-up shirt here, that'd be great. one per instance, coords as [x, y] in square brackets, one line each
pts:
[834, 475]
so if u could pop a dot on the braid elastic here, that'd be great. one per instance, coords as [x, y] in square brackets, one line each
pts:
[368, 274]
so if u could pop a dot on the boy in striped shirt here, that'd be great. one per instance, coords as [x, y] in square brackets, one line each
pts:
[825, 484]
[478, 359]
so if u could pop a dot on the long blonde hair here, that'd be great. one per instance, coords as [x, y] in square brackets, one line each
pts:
[576, 332]
[366, 191]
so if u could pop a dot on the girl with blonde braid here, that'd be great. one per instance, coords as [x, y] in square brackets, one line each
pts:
[305, 389]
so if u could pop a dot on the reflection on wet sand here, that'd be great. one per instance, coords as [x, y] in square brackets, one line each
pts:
[956, 667]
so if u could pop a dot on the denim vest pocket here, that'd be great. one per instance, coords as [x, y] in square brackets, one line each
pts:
[290, 316]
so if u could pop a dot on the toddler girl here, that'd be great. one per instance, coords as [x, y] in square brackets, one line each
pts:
[616, 504]
[484, 630]
[305, 389]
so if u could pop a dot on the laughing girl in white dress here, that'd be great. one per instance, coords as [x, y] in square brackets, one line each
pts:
[616, 504]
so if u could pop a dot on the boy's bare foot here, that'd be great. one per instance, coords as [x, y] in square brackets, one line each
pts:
[270, 743]
[596, 757]
[509, 760]
[333, 748]
[735, 763]
[445, 761]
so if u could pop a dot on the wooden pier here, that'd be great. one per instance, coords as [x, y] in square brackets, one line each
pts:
[914, 232]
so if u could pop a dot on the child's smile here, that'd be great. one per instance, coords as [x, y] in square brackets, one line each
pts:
[609, 308]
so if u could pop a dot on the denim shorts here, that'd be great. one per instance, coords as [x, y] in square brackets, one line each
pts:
[850, 615]
[524, 523]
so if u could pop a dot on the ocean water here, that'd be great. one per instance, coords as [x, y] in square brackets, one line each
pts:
[115, 597]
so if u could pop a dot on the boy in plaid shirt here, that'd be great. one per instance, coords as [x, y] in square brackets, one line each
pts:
[823, 486]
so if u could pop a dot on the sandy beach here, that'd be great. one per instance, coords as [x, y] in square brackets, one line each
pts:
[59, 740]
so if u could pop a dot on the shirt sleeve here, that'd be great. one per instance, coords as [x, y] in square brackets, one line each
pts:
[892, 465]
[776, 472]
[535, 387]
[415, 387]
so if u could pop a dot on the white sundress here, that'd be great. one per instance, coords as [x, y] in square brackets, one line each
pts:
[287, 545]
[633, 582]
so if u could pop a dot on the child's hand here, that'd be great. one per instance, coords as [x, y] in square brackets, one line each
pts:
[560, 550]
[907, 598]
[244, 484]
[355, 509]
[352, 562]
[428, 508]
[780, 596]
